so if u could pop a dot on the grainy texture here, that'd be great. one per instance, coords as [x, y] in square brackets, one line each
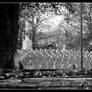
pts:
[57, 59]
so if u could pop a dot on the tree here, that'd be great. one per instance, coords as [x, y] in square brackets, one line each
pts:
[36, 13]
[87, 26]
[32, 14]
[72, 31]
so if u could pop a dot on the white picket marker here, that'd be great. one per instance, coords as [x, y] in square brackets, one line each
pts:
[69, 56]
[51, 56]
[54, 65]
[46, 65]
[90, 58]
[34, 52]
[45, 55]
[30, 67]
[57, 52]
[40, 66]
[33, 67]
[46, 51]
[69, 66]
[62, 65]
[30, 61]
[54, 54]
[64, 47]
[74, 56]
[41, 53]
[62, 57]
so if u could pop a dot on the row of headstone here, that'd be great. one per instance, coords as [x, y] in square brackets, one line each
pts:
[55, 59]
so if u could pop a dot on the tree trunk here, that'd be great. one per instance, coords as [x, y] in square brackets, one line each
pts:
[33, 39]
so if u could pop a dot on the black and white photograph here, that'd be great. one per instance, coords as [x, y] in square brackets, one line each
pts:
[46, 45]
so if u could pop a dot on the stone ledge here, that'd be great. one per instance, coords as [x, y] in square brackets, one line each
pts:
[48, 83]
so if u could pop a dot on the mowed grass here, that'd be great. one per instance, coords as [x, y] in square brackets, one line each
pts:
[53, 59]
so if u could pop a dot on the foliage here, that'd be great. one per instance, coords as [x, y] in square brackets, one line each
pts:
[87, 24]
[36, 14]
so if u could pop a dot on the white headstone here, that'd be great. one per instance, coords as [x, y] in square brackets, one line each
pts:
[27, 43]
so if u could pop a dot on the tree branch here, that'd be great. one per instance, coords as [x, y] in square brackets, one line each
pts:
[31, 22]
[42, 21]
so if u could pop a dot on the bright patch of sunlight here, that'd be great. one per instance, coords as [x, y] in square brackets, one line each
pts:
[51, 24]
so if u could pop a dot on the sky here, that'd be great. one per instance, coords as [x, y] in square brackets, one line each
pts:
[52, 24]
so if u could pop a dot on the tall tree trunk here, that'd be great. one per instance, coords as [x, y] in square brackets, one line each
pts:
[13, 33]
[33, 39]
